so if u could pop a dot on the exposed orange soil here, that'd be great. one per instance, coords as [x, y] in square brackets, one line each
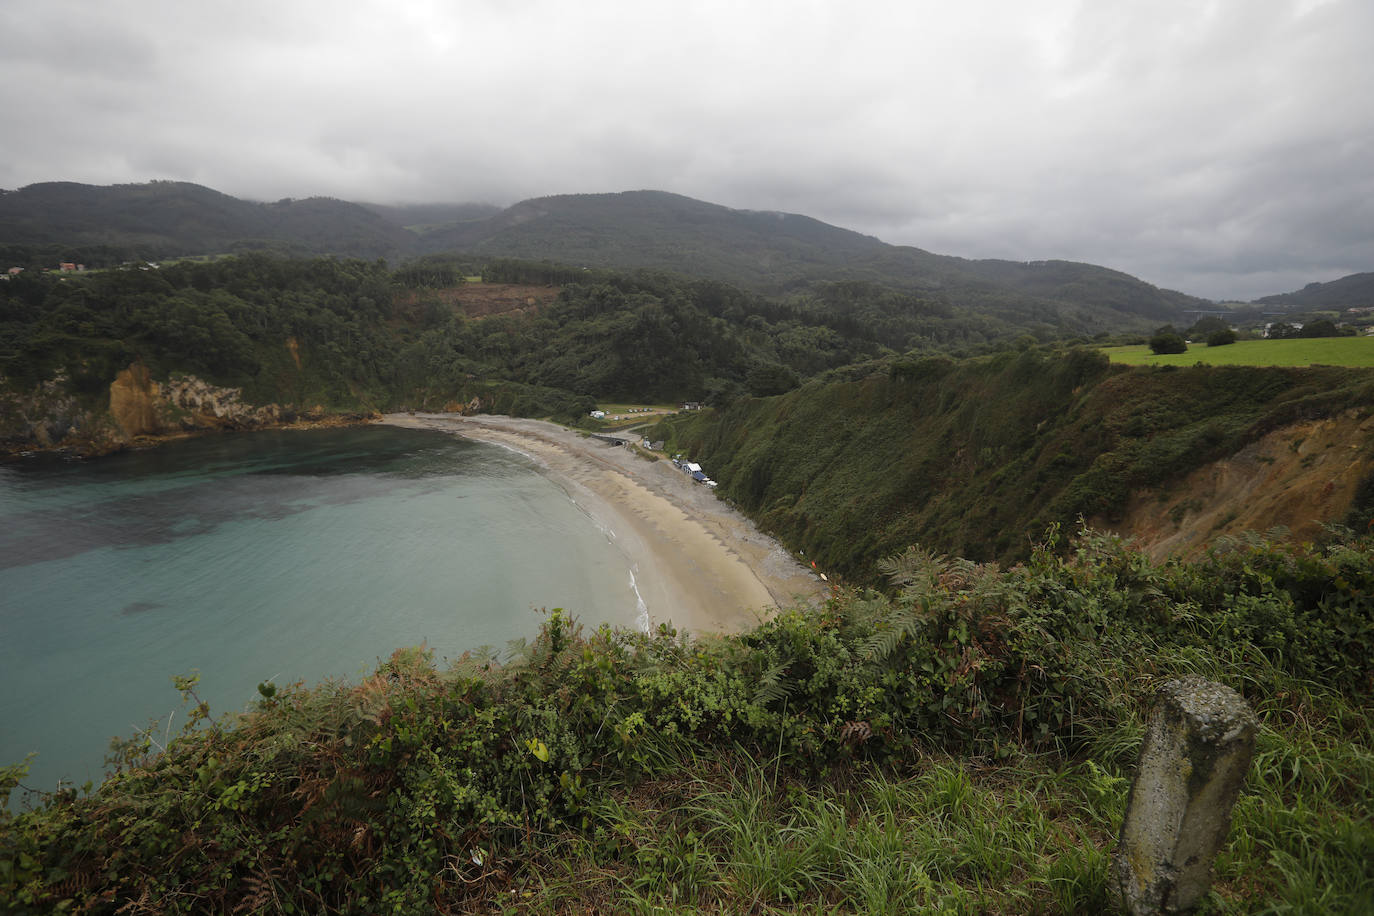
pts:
[1299, 477]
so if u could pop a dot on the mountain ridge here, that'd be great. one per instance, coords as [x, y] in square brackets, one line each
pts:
[164, 219]
[773, 252]
[1352, 291]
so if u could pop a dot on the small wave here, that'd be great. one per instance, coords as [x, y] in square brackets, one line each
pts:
[601, 526]
[641, 609]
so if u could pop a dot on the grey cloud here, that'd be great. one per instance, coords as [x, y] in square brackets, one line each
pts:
[1210, 148]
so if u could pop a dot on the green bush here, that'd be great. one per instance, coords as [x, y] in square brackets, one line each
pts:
[1168, 343]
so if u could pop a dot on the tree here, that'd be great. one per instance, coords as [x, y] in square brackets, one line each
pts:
[1168, 342]
[1221, 338]
[768, 379]
[1322, 327]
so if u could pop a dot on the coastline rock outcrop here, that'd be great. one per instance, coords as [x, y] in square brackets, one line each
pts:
[139, 411]
[51, 417]
[196, 404]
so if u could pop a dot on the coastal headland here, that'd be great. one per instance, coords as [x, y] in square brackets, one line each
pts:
[697, 563]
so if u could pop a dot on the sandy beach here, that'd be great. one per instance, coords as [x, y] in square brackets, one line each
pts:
[698, 563]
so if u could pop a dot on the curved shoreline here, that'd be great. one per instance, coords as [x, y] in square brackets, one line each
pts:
[696, 562]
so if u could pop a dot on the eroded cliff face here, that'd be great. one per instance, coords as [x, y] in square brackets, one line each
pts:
[50, 417]
[140, 411]
[1299, 477]
[135, 403]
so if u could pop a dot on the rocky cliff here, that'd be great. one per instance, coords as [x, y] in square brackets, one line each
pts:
[139, 411]
[50, 417]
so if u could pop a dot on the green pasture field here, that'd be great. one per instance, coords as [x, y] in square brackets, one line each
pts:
[1355, 352]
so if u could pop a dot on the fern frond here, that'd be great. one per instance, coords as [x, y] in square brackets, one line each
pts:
[773, 686]
[904, 622]
[915, 570]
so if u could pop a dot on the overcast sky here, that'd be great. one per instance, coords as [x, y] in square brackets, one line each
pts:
[1220, 147]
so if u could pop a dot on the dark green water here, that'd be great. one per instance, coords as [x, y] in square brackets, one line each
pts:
[295, 555]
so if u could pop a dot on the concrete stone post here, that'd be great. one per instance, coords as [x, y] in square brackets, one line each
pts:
[1199, 739]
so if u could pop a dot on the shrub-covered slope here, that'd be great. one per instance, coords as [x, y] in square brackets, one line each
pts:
[978, 457]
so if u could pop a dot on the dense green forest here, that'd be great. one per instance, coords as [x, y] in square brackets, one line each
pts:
[335, 333]
[959, 742]
[230, 321]
[978, 457]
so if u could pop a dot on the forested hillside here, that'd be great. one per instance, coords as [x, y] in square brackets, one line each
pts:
[43, 224]
[1354, 291]
[785, 252]
[781, 254]
[354, 335]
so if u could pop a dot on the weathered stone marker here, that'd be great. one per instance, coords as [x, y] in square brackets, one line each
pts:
[1199, 739]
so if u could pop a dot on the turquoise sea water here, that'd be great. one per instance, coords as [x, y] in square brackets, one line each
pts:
[288, 555]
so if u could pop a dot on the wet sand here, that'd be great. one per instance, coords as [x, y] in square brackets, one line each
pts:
[698, 564]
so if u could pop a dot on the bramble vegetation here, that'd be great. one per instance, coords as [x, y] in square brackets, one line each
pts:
[959, 743]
